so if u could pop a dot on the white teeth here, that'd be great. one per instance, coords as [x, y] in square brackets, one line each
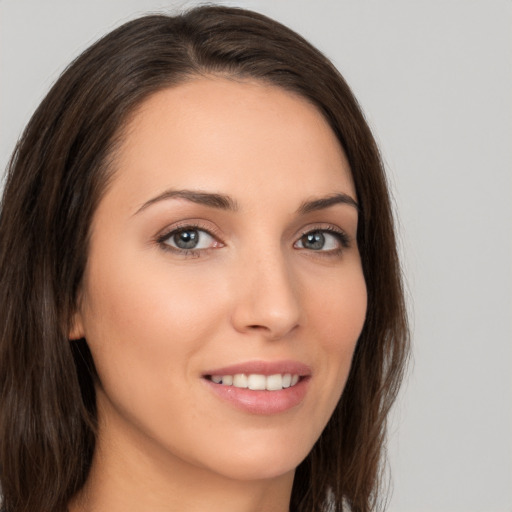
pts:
[257, 382]
[240, 380]
[274, 382]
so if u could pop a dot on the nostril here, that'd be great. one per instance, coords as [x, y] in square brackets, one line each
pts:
[266, 304]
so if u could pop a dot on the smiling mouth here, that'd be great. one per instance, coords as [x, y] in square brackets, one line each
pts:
[256, 382]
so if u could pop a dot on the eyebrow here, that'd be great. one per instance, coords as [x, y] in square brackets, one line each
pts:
[225, 202]
[325, 202]
[219, 201]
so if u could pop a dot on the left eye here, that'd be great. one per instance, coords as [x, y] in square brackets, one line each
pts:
[320, 240]
[189, 238]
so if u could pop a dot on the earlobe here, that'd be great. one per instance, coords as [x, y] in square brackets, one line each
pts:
[76, 329]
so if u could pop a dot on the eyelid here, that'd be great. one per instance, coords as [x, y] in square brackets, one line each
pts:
[183, 225]
[344, 238]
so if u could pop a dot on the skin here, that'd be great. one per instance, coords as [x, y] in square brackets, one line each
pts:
[156, 319]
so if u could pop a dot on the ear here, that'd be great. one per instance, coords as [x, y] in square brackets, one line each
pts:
[76, 328]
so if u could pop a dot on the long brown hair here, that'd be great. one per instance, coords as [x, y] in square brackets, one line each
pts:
[56, 177]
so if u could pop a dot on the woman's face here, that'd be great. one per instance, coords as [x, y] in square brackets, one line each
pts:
[223, 255]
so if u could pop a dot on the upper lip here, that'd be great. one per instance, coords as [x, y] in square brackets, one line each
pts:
[263, 368]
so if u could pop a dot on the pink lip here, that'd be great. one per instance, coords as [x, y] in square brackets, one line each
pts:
[262, 402]
[263, 368]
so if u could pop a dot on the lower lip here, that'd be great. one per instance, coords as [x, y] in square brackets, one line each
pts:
[262, 402]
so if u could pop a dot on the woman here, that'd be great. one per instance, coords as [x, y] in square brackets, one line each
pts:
[201, 304]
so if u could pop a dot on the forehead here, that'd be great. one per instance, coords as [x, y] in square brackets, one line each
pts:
[222, 134]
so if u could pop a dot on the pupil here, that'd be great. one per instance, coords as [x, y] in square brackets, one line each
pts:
[314, 240]
[186, 239]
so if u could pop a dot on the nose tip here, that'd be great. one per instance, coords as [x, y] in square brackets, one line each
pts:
[267, 301]
[273, 326]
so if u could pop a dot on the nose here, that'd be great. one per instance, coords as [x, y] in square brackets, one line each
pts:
[266, 300]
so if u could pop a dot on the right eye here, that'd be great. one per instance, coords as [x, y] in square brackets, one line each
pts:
[189, 239]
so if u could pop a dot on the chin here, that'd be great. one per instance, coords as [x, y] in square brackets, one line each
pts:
[250, 471]
[260, 462]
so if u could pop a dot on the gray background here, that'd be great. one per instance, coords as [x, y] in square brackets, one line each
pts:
[434, 78]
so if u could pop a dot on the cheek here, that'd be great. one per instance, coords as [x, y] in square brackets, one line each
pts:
[149, 321]
[339, 310]
[146, 334]
[339, 313]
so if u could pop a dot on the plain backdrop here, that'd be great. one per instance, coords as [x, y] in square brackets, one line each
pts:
[434, 78]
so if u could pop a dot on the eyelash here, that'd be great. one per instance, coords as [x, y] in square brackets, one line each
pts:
[190, 253]
[343, 239]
